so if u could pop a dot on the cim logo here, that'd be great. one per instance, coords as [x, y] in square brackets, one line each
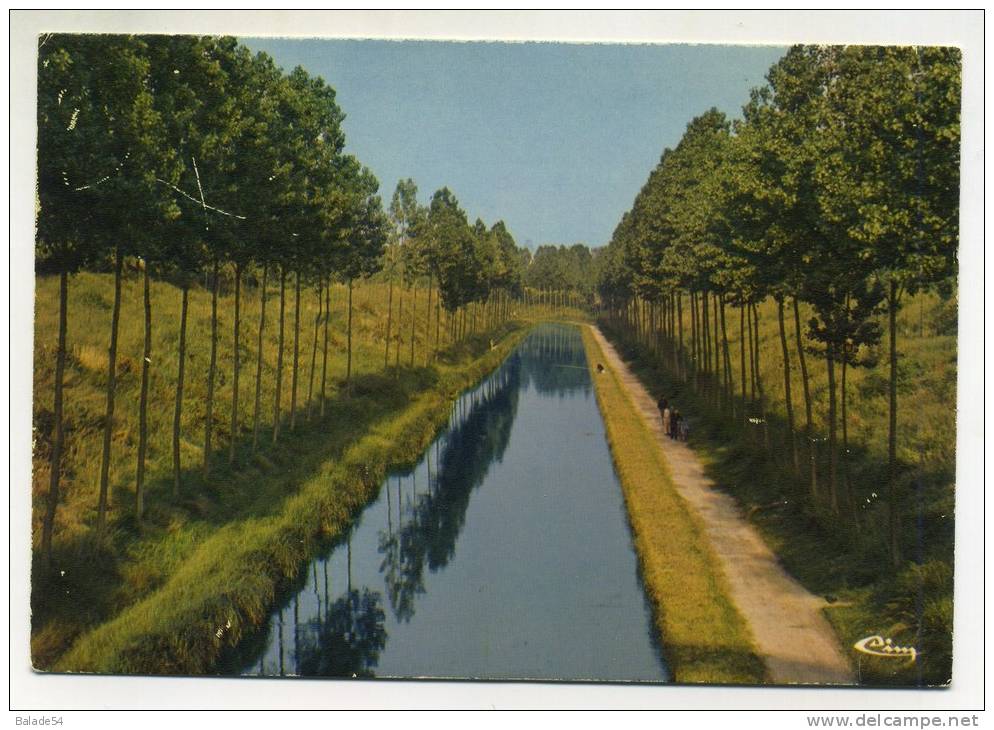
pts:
[879, 646]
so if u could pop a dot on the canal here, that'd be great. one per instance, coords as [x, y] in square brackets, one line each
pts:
[505, 553]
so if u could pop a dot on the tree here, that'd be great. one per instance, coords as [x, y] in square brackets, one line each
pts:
[893, 181]
[406, 255]
[365, 232]
[453, 246]
[198, 86]
[784, 138]
[97, 161]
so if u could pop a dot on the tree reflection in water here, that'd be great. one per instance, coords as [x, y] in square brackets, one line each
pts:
[347, 640]
[554, 362]
[425, 534]
[345, 636]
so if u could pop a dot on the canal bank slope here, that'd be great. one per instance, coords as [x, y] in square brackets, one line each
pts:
[227, 582]
[785, 621]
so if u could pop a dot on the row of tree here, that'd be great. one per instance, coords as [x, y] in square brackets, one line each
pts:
[566, 269]
[839, 189]
[193, 157]
[477, 271]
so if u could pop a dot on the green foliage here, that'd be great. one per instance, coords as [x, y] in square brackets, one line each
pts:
[829, 554]
[105, 575]
[99, 150]
[562, 269]
[455, 261]
[838, 189]
[226, 581]
[197, 157]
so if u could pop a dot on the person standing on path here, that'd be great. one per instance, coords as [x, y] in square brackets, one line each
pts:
[675, 421]
[666, 420]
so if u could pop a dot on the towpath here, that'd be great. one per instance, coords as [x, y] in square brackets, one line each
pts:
[791, 632]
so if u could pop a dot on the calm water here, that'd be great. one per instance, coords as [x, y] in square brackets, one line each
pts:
[505, 553]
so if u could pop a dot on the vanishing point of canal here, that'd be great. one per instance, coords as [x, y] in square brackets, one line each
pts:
[504, 554]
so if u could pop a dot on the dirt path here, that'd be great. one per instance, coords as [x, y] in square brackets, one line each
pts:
[794, 638]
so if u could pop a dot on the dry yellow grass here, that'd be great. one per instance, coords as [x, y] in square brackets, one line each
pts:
[705, 639]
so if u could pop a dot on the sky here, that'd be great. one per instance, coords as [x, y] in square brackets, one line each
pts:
[555, 139]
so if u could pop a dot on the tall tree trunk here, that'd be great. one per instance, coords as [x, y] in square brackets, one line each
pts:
[115, 320]
[892, 506]
[679, 321]
[752, 356]
[846, 486]
[646, 325]
[791, 443]
[759, 383]
[705, 339]
[211, 371]
[314, 350]
[742, 357]
[808, 430]
[414, 320]
[832, 453]
[726, 361]
[143, 398]
[637, 320]
[438, 320]
[656, 325]
[400, 332]
[717, 352]
[236, 363]
[181, 371]
[386, 354]
[258, 362]
[48, 526]
[921, 314]
[428, 325]
[348, 365]
[296, 353]
[693, 336]
[665, 335]
[279, 357]
[659, 333]
[672, 307]
[324, 358]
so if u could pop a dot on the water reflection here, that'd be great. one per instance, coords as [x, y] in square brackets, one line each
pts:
[426, 534]
[347, 640]
[503, 553]
[554, 362]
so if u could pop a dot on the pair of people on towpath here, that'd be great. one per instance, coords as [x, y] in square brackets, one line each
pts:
[674, 424]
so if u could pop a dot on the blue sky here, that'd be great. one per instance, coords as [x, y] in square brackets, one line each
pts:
[555, 139]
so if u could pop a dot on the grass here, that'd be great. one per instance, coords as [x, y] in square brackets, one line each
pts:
[142, 597]
[842, 557]
[705, 638]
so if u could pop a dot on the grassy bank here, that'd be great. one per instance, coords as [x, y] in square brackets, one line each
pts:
[222, 547]
[705, 639]
[226, 585]
[846, 564]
